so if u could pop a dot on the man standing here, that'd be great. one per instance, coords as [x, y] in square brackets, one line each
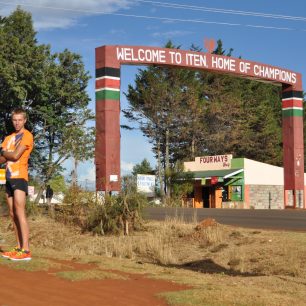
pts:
[15, 152]
[49, 194]
[51, 207]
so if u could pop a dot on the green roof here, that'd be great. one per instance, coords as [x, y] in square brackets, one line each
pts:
[210, 173]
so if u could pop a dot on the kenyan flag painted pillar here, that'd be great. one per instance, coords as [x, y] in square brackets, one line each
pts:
[293, 147]
[107, 150]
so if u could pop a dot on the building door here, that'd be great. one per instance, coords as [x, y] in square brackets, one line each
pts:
[218, 197]
[206, 196]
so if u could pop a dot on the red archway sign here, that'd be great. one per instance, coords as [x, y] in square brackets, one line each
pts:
[108, 62]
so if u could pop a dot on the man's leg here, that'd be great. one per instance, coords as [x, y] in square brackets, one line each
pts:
[9, 201]
[19, 203]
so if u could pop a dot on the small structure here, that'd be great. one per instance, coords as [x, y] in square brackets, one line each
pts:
[225, 182]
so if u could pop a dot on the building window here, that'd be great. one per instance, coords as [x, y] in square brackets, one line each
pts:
[236, 193]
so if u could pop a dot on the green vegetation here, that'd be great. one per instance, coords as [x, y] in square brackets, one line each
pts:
[39, 264]
[52, 89]
[187, 113]
[58, 184]
[88, 274]
[110, 214]
[220, 265]
[143, 168]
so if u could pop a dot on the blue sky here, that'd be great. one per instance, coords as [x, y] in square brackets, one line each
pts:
[271, 32]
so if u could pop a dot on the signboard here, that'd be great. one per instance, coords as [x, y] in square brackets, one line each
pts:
[113, 178]
[31, 191]
[2, 176]
[204, 163]
[152, 55]
[146, 184]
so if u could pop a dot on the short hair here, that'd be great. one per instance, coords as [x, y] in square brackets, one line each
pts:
[19, 111]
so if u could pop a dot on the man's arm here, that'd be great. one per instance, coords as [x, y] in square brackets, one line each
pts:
[13, 156]
[2, 158]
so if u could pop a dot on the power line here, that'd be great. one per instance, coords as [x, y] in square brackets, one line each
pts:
[152, 17]
[223, 11]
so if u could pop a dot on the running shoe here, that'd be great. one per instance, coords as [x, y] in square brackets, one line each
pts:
[22, 255]
[10, 253]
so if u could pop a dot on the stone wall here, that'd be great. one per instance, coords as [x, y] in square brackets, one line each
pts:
[259, 196]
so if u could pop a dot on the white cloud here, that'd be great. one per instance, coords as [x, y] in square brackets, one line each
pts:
[126, 167]
[50, 14]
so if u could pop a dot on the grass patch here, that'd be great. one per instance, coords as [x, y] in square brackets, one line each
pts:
[222, 265]
[231, 293]
[37, 264]
[88, 275]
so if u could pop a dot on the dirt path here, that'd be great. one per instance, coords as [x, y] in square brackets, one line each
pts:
[25, 288]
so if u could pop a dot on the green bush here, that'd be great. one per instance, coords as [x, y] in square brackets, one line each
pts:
[102, 215]
[32, 209]
[3, 206]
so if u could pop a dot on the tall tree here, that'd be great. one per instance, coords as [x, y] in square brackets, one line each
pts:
[242, 117]
[143, 168]
[187, 113]
[51, 87]
[156, 102]
[21, 62]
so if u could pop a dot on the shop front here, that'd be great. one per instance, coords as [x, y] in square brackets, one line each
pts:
[222, 181]
[218, 181]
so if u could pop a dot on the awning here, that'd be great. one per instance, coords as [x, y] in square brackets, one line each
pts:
[227, 173]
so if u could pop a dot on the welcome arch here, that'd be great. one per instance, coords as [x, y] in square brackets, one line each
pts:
[108, 62]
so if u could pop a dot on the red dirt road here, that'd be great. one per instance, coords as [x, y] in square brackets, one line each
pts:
[44, 288]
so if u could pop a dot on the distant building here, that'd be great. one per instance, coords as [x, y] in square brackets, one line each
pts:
[225, 182]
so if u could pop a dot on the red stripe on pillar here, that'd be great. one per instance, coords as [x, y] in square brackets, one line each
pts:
[108, 83]
[292, 103]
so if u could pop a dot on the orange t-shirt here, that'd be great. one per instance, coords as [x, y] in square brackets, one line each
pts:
[18, 169]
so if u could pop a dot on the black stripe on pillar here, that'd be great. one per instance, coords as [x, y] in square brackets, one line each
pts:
[292, 94]
[108, 71]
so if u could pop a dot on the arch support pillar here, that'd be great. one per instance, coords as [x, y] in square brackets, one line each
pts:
[107, 149]
[293, 147]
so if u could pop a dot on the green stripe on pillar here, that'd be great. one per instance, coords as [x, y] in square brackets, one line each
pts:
[292, 113]
[107, 94]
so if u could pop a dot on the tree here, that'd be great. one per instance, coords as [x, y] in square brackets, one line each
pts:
[21, 62]
[186, 113]
[58, 184]
[143, 168]
[60, 115]
[243, 116]
[52, 88]
[157, 103]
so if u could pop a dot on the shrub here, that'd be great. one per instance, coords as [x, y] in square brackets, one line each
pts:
[32, 209]
[101, 215]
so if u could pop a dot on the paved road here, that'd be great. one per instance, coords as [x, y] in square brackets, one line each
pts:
[260, 218]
